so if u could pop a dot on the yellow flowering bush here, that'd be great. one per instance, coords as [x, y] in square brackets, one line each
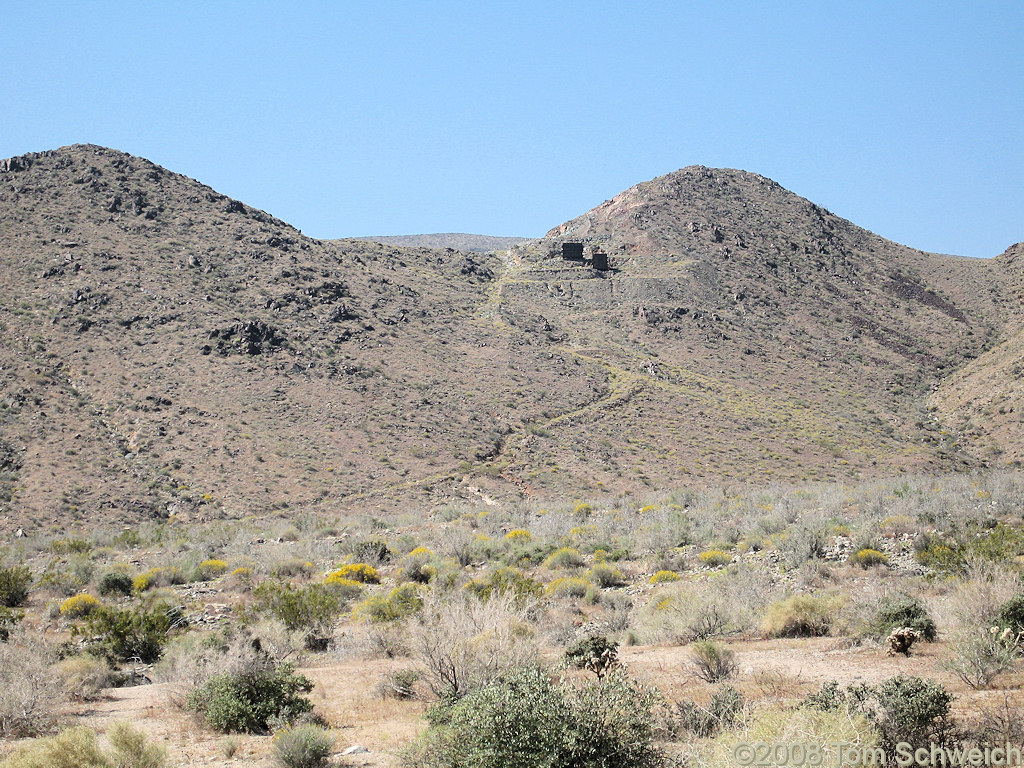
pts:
[79, 606]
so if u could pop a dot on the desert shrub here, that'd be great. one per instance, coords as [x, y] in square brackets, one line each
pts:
[9, 619]
[70, 546]
[361, 572]
[711, 661]
[71, 748]
[402, 601]
[1011, 614]
[801, 616]
[249, 701]
[662, 577]
[115, 582]
[131, 749]
[346, 589]
[940, 554]
[304, 746]
[373, 551]
[122, 634]
[604, 575]
[461, 643]
[157, 577]
[526, 720]
[980, 654]
[85, 675]
[78, 606]
[505, 581]
[904, 708]
[865, 558]
[293, 568]
[566, 557]
[902, 611]
[31, 692]
[567, 586]
[803, 542]
[595, 653]
[78, 748]
[913, 710]
[518, 536]
[212, 569]
[715, 558]
[400, 684]
[311, 609]
[14, 585]
[417, 566]
[721, 713]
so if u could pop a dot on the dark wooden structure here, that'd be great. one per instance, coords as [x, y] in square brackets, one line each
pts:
[572, 251]
[599, 260]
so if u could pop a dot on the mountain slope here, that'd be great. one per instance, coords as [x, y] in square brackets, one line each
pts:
[167, 350]
[457, 240]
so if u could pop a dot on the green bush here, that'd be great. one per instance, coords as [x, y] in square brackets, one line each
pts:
[596, 653]
[604, 575]
[527, 721]
[505, 581]
[566, 557]
[567, 586]
[902, 611]
[400, 602]
[250, 701]
[904, 708]
[311, 609]
[115, 582]
[1011, 614]
[304, 746]
[373, 551]
[801, 616]
[715, 558]
[124, 634]
[14, 582]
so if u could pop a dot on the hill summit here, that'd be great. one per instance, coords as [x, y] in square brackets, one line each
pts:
[167, 350]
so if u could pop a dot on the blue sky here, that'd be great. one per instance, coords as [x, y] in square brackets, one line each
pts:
[360, 118]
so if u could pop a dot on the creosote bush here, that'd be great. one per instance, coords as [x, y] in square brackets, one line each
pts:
[525, 720]
[122, 634]
[566, 586]
[311, 609]
[402, 601]
[251, 700]
[115, 582]
[604, 575]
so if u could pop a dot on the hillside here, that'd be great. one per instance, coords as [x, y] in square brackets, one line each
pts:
[168, 350]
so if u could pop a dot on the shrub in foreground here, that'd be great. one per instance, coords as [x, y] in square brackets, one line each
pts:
[528, 721]
[115, 582]
[252, 700]
[78, 748]
[304, 746]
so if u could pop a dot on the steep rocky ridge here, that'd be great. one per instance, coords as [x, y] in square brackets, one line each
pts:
[167, 350]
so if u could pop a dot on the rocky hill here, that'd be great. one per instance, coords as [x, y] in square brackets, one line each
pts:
[166, 350]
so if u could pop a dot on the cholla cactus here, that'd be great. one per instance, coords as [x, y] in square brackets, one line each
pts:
[901, 639]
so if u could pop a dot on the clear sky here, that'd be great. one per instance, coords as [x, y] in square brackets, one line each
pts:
[507, 118]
